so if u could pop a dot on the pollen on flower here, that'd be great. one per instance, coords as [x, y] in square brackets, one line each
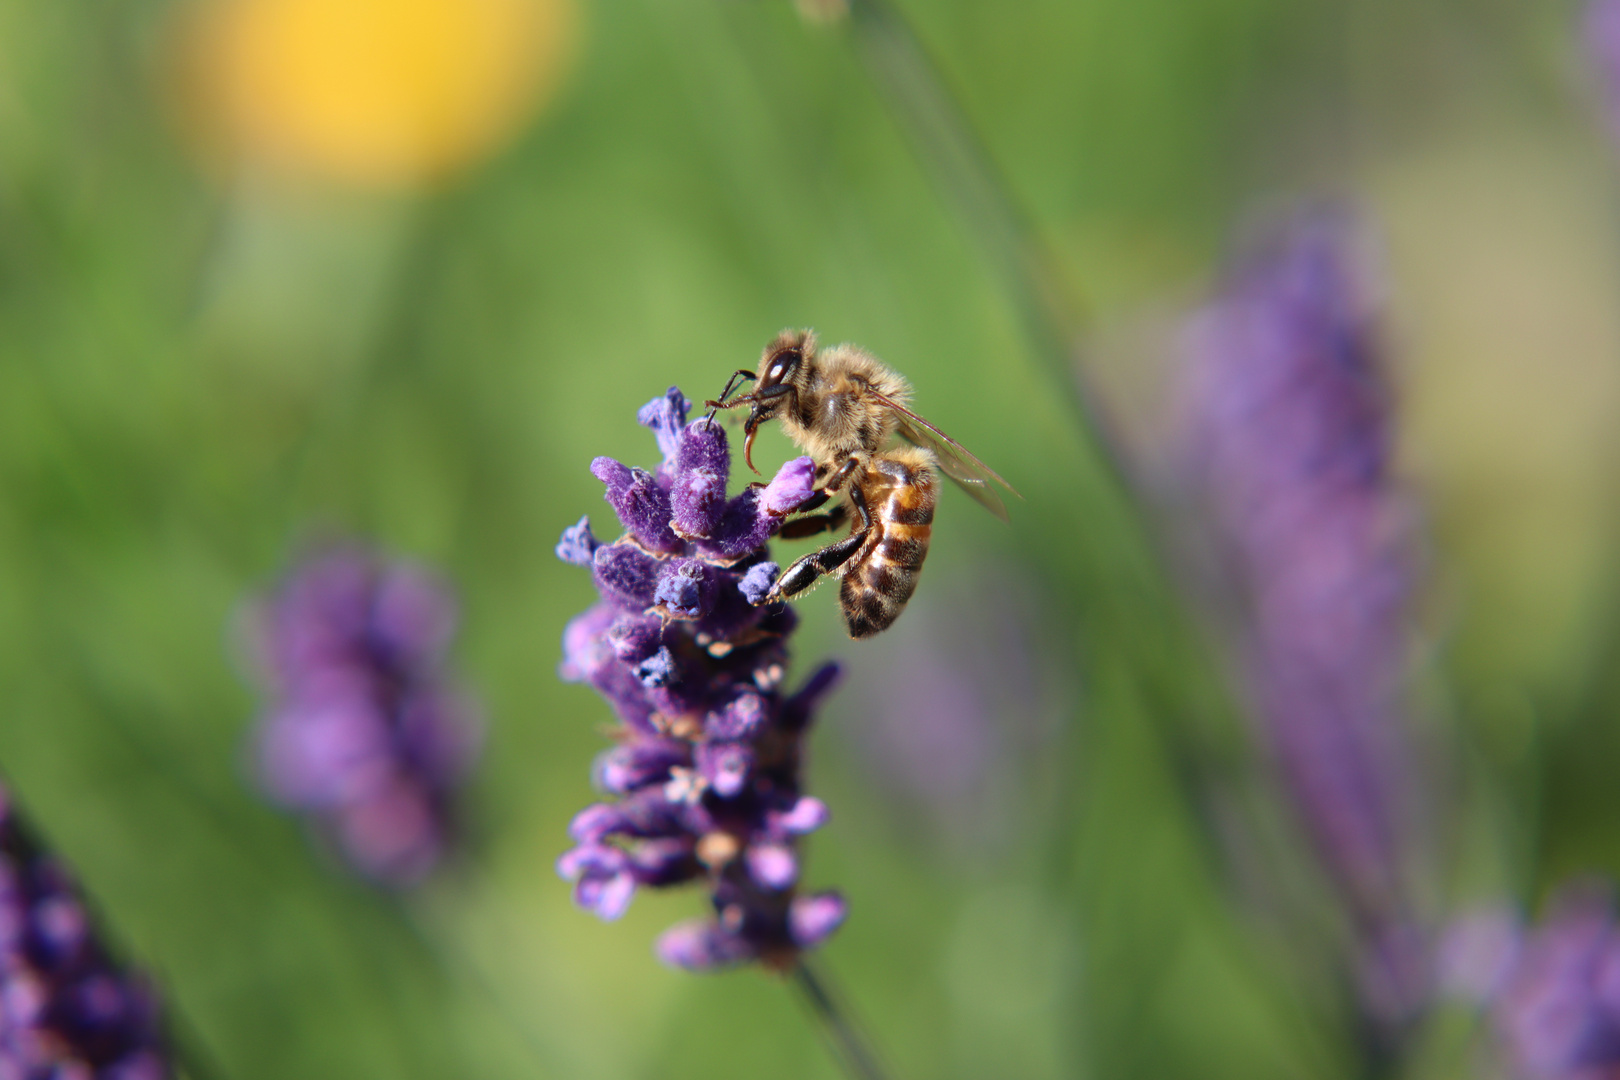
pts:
[707, 776]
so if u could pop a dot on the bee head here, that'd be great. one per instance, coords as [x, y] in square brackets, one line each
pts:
[777, 384]
[782, 364]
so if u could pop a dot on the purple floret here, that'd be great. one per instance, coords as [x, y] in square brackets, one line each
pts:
[706, 779]
[362, 731]
[66, 1009]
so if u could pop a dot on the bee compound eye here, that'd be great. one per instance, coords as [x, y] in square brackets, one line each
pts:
[781, 366]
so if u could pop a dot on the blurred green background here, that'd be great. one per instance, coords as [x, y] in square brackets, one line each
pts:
[219, 338]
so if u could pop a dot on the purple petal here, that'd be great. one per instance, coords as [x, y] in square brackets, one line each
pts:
[702, 945]
[772, 865]
[740, 719]
[638, 763]
[439, 732]
[584, 650]
[607, 896]
[325, 752]
[813, 919]
[665, 862]
[725, 766]
[577, 544]
[590, 858]
[395, 837]
[1476, 953]
[806, 816]
[756, 513]
[595, 822]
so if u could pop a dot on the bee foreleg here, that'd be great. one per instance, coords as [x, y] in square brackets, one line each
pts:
[731, 383]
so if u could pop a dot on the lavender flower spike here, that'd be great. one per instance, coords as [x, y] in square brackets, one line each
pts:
[706, 780]
[66, 1010]
[363, 732]
[1556, 1006]
[1291, 436]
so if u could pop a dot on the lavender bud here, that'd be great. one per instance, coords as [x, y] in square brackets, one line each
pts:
[666, 416]
[637, 764]
[757, 582]
[362, 732]
[686, 589]
[641, 503]
[707, 775]
[577, 544]
[626, 575]
[698, 500]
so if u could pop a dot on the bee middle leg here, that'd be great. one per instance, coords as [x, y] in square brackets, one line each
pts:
[811, 524]
[805, 570]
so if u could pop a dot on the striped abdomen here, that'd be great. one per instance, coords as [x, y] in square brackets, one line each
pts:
[900, 492]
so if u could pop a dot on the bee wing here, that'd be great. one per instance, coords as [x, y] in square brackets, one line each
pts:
[955, 460]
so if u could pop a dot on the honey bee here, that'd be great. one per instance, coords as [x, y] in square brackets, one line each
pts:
[844, 408]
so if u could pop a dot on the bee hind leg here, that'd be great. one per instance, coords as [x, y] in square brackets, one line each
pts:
[805, 570]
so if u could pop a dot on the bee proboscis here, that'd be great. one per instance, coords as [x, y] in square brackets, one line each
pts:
[845, 408]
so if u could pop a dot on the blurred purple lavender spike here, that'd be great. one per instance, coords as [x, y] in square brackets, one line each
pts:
[1601, 28]
[363, 732]
[1554, 989]
[66, 1010]
[1291, 440]
[706, 778]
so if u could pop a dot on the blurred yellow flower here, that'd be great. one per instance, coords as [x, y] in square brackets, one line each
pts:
[368, 92]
